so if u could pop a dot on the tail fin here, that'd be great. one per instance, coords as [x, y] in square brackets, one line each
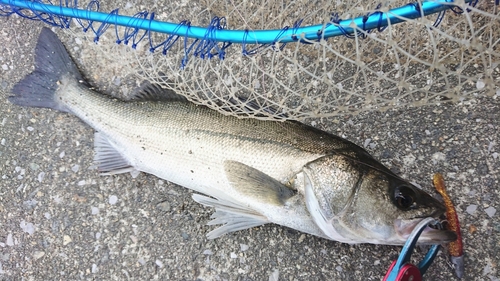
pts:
[52, 63]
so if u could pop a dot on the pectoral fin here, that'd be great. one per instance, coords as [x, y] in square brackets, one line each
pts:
[252, 183]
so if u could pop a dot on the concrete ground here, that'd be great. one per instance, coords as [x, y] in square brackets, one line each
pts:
[60, 220]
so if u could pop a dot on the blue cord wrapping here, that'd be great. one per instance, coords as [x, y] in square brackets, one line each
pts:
[169, 42]
[207, 44]
[92, 6]
[473, 3]
[335, 18]
[213, 40]
[380, 27]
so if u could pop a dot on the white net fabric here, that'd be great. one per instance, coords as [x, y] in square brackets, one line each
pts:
[412, 63]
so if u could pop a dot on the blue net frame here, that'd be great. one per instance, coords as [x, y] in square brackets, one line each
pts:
[213, 40]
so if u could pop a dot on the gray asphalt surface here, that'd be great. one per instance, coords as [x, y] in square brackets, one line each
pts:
[60, 220]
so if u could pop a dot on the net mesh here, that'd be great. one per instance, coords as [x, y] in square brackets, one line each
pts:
[408, 64]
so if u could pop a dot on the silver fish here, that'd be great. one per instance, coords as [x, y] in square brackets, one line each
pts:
[252, 172]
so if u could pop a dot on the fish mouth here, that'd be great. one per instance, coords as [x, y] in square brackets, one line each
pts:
[430, 234]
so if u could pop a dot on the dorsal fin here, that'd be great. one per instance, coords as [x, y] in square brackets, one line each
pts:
[154, 92]
[243, 106]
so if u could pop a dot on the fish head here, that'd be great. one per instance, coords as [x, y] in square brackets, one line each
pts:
[353, 202]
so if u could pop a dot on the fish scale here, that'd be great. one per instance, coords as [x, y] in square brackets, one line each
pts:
[182, 142]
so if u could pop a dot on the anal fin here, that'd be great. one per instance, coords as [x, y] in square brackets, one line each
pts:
[233, 217]
[108, 160]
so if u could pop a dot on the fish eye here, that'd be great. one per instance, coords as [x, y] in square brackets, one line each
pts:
[405, 198]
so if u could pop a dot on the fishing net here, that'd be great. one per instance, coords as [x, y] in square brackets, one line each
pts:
[444, 57]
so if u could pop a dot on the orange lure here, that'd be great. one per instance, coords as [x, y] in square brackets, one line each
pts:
[455, 247]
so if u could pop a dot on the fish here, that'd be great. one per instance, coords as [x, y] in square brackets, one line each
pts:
[252, 172]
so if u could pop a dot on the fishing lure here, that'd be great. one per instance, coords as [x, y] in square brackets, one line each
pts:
[456, 247]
